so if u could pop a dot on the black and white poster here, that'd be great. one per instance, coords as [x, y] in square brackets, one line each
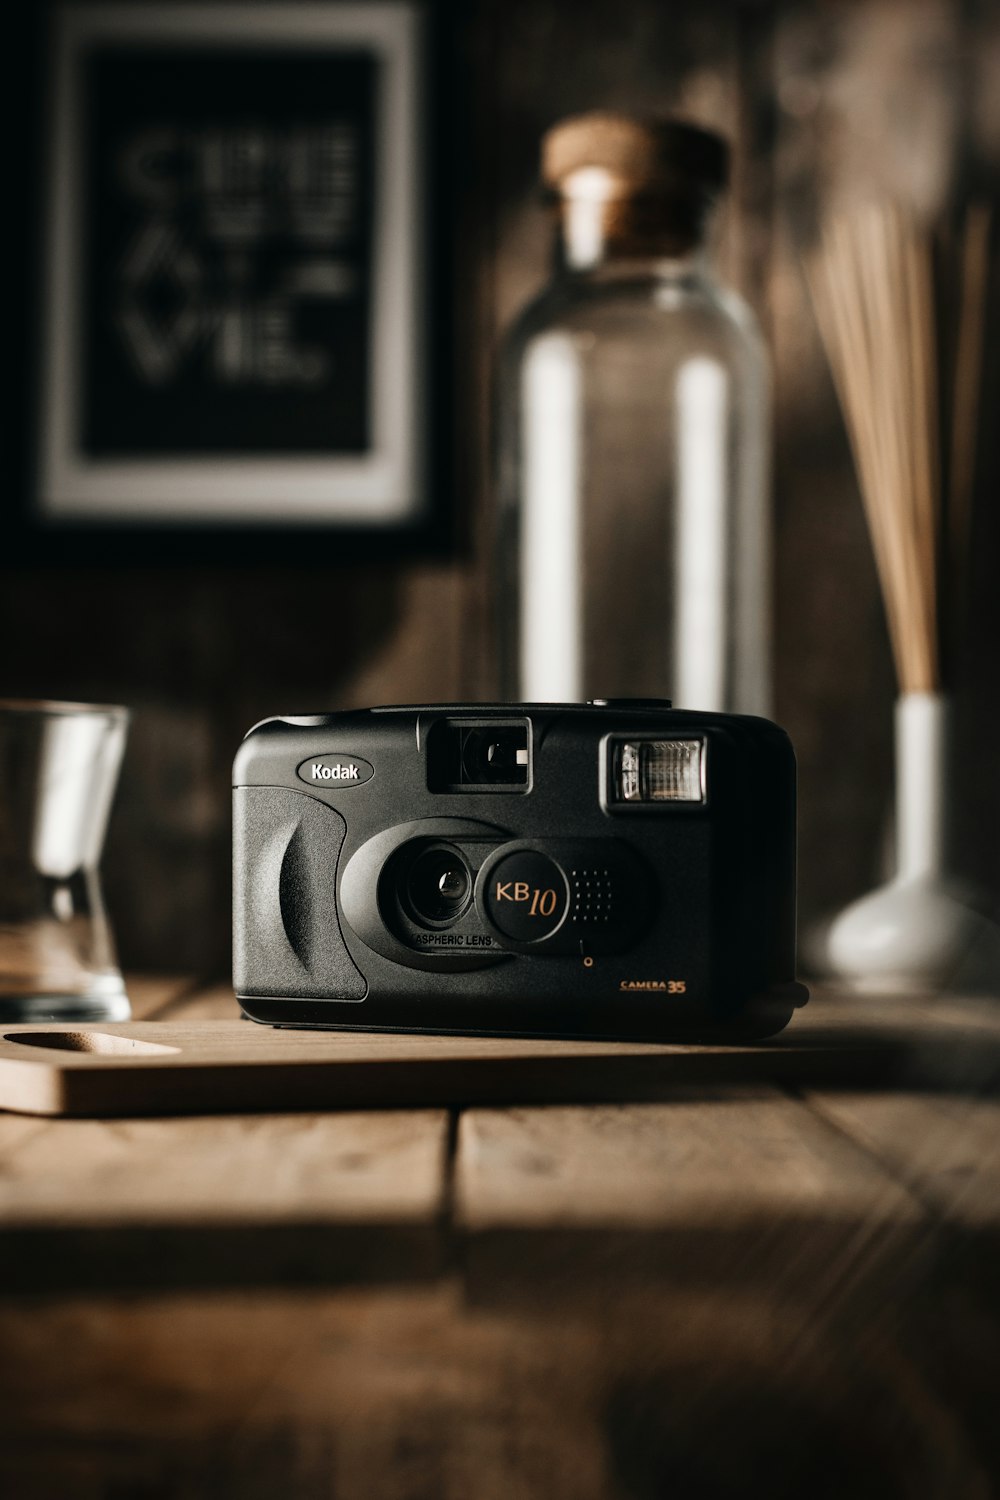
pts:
[227, 252]
[233, 287]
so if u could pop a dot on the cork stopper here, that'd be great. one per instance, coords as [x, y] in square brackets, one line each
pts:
[638, 157]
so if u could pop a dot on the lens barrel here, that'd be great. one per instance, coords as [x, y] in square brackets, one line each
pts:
[437, 888]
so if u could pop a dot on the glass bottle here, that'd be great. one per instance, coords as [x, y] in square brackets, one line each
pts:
[633, 553]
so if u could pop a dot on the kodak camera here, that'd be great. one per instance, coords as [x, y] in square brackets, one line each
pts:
[616, 869]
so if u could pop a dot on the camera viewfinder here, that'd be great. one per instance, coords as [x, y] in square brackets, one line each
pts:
[479, 756]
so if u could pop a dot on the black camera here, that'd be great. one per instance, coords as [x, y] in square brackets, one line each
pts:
[615, 869]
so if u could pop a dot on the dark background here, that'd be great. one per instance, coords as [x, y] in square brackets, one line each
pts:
[823, 102]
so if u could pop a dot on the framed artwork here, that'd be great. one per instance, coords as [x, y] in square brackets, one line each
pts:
[237, 287]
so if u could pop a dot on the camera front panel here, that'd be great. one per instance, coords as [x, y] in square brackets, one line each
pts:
[575, 871]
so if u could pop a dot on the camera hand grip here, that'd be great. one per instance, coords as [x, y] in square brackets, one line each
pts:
[286, 932]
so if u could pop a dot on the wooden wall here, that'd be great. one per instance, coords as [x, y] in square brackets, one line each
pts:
[823, 101]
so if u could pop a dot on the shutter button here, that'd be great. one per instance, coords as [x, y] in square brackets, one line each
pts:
[629, 703]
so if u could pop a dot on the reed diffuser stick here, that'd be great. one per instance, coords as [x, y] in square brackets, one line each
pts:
[974, 280]
[873, 287]
[881, 310]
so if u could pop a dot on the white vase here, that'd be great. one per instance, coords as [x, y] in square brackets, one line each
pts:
[921, 931]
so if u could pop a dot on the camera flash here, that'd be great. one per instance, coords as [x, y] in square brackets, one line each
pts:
[662, 771]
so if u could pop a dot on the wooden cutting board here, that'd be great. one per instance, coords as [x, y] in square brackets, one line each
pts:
[201, 1067]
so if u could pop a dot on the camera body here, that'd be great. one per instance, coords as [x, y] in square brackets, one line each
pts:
[615, 869]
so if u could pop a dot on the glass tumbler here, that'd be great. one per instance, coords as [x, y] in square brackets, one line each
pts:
[58, 769]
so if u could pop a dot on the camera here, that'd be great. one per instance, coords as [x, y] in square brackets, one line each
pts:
[616, 869]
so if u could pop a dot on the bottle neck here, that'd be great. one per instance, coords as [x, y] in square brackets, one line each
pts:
[631, 235]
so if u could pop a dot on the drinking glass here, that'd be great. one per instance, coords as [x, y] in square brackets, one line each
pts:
[58, 769]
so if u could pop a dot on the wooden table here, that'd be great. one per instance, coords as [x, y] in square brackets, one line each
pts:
[740, 1288]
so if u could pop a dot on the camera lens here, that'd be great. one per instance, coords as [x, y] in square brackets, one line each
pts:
[438, 886]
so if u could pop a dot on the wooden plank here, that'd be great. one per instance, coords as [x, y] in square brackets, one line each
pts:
[418, 1394]
[383, 1167]
[943, 1042]
[945, 1147]
[198, 1064]
[704, 1189]
[210, 1201]
[939, 1129]
[201, 1066]
[204, 1201]
[833, 1008]
[148, 995]
[734, 1158]
[387, 1394]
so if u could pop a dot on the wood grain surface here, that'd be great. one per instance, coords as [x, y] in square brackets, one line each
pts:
[738, 1158]
[552, 1300]
[204, 1066]
[378, 1167]
[946, 1149]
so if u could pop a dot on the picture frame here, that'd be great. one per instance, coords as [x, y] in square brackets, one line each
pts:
[242, 275]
